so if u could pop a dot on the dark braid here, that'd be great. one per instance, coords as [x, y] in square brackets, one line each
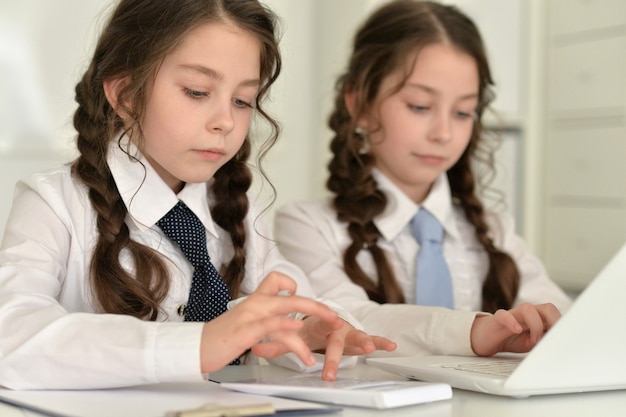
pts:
[502, 281]
[358, 202]
[117, 290]
[230, 186]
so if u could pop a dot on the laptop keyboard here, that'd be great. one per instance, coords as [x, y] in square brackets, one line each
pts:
[495, 368]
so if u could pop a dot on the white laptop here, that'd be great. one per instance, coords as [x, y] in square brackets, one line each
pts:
[584, 351]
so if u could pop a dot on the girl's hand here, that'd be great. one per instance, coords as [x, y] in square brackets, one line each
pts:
[515, 330]
[263, 314]
[335, 343]
[334, 338]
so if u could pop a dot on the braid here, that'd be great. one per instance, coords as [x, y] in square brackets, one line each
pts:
[357, 202]
[230, 186]
[501, 283]
[116, 290]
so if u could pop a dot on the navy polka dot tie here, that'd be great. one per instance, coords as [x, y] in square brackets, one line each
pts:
[209, 295]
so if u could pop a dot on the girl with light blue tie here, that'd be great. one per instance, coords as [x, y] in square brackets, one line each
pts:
[404, 224]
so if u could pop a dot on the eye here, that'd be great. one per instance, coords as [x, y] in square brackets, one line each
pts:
[195, 94]
[242, 103]
[465, 115]
[419, 108]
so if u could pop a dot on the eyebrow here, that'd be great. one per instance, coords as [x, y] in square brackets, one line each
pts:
[435, 92]
[212, 73]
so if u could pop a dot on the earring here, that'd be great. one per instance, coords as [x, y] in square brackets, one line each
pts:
[365, 146]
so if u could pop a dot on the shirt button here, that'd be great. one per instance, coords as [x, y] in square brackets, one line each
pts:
[181, 310]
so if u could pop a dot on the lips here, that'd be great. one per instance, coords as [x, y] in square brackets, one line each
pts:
[212, 155]
[430, 159]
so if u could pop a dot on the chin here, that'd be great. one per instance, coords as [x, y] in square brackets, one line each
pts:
[197, 178]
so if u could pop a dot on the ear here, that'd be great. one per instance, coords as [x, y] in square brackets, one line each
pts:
[352, 101]
[112, 88]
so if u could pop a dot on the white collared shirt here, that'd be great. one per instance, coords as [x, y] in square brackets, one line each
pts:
[49, 336]
[311, 236]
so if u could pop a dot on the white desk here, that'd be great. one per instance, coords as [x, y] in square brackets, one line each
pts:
[463, 403]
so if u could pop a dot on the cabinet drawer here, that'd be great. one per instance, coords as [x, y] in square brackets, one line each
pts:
[588, 163]
[572, 16]
[580, 241]
[588, 79]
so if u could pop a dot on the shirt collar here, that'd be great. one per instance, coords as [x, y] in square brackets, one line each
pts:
[146, 196]
[400, 208]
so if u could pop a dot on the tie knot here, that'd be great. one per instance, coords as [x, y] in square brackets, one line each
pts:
[184, 228]
[426, 227]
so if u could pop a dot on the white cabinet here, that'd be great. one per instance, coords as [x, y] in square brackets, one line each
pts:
[587, 77]
[585, 138]
[576, 16]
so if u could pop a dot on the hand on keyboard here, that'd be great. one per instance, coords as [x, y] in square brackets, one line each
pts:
[516, 330]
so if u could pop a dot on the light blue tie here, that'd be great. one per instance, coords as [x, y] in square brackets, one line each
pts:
[433, 286]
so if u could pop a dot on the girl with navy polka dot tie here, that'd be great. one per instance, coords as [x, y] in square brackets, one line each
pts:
[97, 284]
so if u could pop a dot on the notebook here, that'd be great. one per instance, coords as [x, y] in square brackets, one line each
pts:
[347, 391]
[584, 351]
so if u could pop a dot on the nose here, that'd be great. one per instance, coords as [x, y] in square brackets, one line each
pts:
[221, 117]
[441, 127]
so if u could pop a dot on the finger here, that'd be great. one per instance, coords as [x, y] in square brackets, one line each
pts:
[382, 343]
[276, 282]
[269, 349]
[263, 328]
[333, 354]
[358, 343]
[530, 317]
[283, 305]
[325, 326]
[549, 314]
[283, 342]
[508, 320]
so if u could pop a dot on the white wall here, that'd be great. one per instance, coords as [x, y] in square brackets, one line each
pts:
[43, 49]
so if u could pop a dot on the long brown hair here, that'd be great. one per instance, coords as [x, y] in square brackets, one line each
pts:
[134, 42]
[391, 35]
